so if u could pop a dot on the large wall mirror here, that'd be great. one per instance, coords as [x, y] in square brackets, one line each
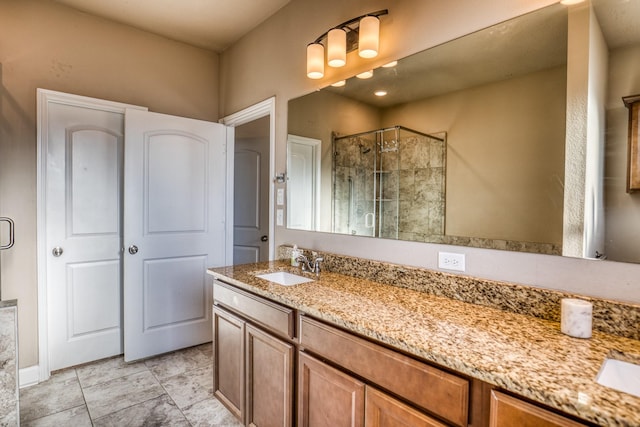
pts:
[473, 142]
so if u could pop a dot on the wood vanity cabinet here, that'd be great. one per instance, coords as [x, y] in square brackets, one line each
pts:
[228, 361]
[328, 397]
[322, 387]
[507, 411]
[382, 410]
[253, 357]
[342, 379]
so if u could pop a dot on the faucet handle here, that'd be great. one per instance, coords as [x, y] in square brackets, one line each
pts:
[316, 265]
[303, 262]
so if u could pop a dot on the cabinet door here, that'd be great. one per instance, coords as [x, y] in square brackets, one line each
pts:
[328, 397]
[428, 387]
[509, 411]
[269, 371]
[384, 411]
[228, 361]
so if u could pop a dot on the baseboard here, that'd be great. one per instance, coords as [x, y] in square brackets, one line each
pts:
[29, 376]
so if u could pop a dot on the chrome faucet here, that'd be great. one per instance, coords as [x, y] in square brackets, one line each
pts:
[311, 266]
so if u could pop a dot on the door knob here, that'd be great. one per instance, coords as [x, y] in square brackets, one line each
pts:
[133, 249]
[57, 251]
[264, 238]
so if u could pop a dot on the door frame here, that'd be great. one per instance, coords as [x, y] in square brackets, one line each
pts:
[249, 114]
[44, 98]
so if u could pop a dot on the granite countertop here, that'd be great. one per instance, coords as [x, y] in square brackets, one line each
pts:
[9, 303]
[523, 354]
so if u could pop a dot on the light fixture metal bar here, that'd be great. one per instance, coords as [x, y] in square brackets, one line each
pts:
[346, 25]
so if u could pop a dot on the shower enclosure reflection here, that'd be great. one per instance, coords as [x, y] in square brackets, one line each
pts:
[384, 179]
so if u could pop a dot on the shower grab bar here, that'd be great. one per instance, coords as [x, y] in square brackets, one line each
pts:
[12, 238]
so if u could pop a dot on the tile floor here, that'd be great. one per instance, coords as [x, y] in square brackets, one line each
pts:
[175, 389]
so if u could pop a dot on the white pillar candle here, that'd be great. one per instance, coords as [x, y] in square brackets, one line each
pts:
[576, 317]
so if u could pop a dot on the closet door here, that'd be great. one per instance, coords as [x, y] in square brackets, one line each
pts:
[81, 148]
[174, 210]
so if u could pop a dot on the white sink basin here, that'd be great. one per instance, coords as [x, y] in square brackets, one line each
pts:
[620, 375]
[283, 278]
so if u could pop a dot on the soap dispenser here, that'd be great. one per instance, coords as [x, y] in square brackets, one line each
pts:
[295, 253]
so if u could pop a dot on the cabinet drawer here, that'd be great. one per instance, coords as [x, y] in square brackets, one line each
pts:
[382, 410]
[436, 391]
[510, 411]
[275, 317]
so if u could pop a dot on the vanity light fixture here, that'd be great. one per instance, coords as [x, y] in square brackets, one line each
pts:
[315, 61]
[362, 33]
[369, 37]
[337, 47]
[365, 75]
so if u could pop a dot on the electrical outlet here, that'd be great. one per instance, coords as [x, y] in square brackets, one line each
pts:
[280, 196]
[279, 217]
[450, 261]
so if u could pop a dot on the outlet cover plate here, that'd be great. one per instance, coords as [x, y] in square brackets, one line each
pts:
[451, 261]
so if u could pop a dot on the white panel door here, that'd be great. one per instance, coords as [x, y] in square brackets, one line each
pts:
[174, 205]
[251, 201]
[83, 233]
[303, 186]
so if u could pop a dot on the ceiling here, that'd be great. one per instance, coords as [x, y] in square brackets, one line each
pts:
[217, 24]
[210, 24]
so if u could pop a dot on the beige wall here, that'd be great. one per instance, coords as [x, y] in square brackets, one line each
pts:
[271, 61]
[45, 45]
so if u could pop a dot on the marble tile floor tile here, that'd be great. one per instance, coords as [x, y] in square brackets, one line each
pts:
[174, 389]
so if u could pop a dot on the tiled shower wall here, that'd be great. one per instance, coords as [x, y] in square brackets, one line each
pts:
[407, 172]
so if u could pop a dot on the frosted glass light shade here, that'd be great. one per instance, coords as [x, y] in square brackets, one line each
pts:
[369, 37]
[315, 61]
[337, 47]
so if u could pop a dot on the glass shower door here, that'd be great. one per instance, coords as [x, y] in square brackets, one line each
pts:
[354, 184]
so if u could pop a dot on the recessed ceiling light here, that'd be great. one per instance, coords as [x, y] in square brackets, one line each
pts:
[380, 93]
[339, 83]
[390, 64]
[365, 75]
